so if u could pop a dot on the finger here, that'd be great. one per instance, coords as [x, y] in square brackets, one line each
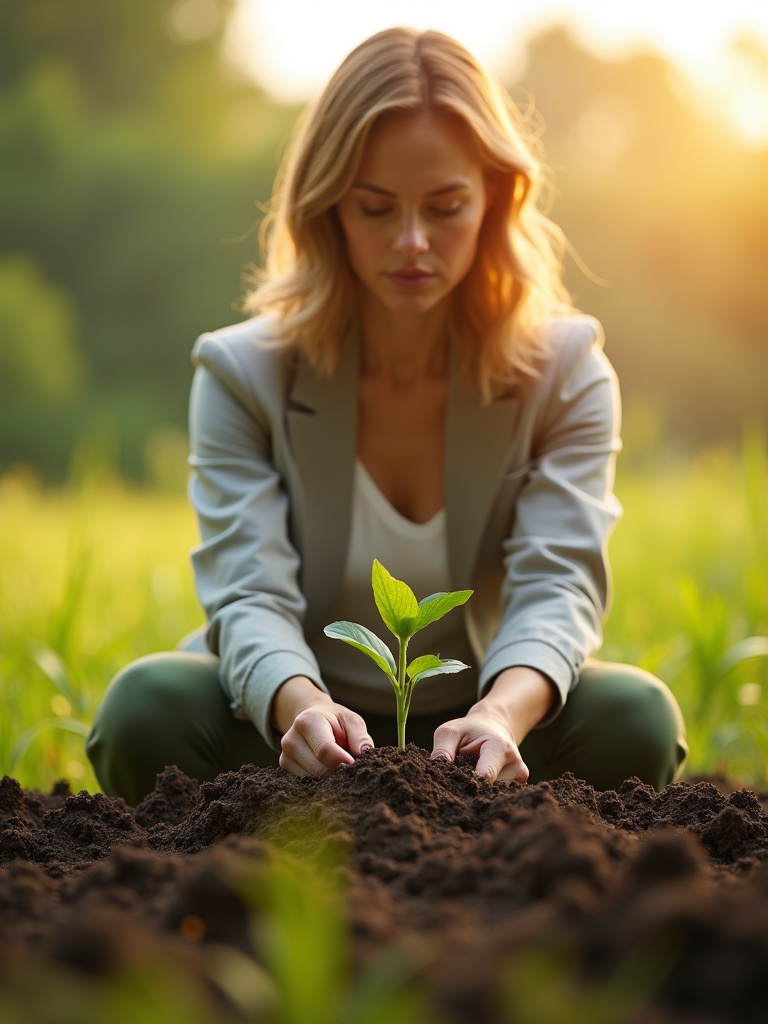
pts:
[288, 764]
[491, 760]
[355, 737]
[446, 742]
[515, 770]
[322, 734]
[516, 773]
[500, 759]
[315, 762]
[297, 757]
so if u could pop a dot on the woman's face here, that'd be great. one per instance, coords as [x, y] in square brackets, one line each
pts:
[413, 214]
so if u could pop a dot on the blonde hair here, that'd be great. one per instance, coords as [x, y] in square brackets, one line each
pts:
[503, 305]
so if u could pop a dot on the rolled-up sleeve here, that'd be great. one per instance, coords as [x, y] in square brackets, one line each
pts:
[246, 567]
[556, 588]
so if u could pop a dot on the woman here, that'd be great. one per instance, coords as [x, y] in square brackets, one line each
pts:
[417, 388]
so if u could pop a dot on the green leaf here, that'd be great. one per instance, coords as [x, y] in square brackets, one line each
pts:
[430, 665]
[396, 602]
[426, 661]
[367, 642]
[27, 738]
[752, 648]
[436, 606]
[53, 668]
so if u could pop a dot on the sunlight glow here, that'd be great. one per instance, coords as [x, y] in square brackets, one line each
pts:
[292, 46]
[746, 92]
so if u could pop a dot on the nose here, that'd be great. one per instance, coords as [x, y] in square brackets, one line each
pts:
[411, 235]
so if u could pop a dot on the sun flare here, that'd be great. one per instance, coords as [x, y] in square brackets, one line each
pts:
[292, 46]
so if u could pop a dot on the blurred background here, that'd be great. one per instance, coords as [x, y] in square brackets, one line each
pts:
[138, 139]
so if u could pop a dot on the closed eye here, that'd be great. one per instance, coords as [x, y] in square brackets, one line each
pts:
[375, 211]
[446, 211]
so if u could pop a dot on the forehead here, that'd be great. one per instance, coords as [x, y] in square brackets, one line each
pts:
[419, 148]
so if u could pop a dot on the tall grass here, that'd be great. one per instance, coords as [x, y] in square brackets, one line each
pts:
[691, 598]
[90, 579]
[96, 575]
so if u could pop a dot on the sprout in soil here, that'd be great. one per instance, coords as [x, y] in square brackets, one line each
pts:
[404, 616]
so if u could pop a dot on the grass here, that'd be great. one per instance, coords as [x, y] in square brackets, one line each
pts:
[90, 579]
[96, 575]
[691, 599]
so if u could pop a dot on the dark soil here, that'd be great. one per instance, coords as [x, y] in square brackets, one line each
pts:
[659, 900]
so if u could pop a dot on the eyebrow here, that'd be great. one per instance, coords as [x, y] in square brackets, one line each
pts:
[454, 186]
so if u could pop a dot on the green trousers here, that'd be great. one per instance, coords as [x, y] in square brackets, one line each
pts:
[169, 708]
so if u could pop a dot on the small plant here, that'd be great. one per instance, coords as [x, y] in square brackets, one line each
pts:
[404, 616]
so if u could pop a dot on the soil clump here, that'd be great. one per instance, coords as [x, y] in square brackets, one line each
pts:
[498, 900]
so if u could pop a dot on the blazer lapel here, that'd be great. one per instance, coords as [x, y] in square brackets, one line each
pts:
[479, 439]
[321, 420]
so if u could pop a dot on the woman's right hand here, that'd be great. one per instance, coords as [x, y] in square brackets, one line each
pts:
[318, 734]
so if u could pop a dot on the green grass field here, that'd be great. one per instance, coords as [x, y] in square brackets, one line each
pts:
[98, 575]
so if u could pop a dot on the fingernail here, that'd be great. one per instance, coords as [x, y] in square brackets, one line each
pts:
[440, 756]
[366, 746]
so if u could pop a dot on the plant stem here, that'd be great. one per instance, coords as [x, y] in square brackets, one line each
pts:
[402, 695]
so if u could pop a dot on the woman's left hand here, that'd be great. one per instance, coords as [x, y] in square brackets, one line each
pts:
[489, 739]
[519, 695]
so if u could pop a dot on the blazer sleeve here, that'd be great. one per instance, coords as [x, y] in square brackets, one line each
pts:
[556, 587]
[246, 567]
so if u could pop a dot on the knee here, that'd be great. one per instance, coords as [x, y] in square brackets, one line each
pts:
[142, 707]
[646, 726]
[132, 704]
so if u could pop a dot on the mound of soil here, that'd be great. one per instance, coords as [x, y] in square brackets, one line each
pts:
[499, 898]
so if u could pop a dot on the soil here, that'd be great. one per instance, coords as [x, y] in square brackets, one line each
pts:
[486, 892]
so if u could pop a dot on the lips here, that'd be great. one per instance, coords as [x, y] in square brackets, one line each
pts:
[410, 276]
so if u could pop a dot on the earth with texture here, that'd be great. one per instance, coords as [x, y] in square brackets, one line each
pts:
[481, 902]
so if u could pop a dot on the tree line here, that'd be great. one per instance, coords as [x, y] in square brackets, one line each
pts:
[134, 163]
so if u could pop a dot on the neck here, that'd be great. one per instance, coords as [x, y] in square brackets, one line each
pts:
[404, 350]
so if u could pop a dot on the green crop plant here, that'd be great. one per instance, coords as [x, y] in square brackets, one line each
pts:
[305, 970]
[404, 616]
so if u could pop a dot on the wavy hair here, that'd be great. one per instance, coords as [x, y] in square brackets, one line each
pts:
[504, 304]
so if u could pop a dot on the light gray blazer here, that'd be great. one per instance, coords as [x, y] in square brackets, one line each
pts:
[528, 498]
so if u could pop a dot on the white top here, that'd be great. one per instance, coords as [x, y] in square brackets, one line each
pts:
[418, 554]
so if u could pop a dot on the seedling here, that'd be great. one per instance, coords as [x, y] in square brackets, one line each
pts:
[404, 616]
